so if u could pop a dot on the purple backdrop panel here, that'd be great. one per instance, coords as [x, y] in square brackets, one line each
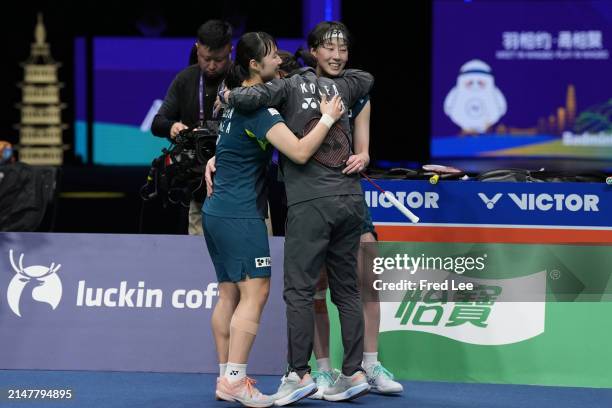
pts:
[120, 303]
[529, 75]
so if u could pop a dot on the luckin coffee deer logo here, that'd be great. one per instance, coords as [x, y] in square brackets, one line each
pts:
[42, 281]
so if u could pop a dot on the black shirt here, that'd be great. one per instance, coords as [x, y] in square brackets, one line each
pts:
[181, 103]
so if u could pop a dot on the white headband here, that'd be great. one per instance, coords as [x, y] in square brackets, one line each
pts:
[334, 33]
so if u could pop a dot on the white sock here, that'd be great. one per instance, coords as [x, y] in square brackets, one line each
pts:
[323, 364]
[222, 368]
[369, 360]
[235, 372]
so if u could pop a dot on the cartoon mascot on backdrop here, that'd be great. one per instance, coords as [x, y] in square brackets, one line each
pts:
[475, 103]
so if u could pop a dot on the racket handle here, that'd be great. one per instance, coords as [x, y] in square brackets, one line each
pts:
[434, 179]
[401, 207]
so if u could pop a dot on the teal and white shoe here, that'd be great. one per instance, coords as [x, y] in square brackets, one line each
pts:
[381, 380]
[347, 388]
[324, 380]
[293, 388]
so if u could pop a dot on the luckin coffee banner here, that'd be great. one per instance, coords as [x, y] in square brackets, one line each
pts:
[121, 303]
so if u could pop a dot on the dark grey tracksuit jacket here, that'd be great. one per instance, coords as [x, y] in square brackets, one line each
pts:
[324, 215]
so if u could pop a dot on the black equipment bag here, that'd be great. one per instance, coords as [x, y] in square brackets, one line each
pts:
[177, 176]
[25, 195]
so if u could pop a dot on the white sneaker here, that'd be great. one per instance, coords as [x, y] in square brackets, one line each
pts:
[220, 396]
[293, 388]
[381, 380]
[347, 388]
[324, 380]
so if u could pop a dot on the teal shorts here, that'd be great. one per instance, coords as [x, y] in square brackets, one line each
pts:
[238, 247]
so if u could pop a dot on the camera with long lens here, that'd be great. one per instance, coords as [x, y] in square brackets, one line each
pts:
[177, 176]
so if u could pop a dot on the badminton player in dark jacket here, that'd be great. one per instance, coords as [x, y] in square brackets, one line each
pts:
[325, 213]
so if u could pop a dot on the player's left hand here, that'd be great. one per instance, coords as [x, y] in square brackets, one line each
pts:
[356, 163]
[209, 173]
[217, 107]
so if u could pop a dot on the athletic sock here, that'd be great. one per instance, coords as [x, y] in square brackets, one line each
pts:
[369, 360]
[323, 364]
[235, 372]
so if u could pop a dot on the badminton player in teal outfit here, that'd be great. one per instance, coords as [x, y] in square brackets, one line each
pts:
[234, 214]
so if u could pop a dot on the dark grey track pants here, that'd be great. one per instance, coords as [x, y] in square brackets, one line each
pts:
[323, 231]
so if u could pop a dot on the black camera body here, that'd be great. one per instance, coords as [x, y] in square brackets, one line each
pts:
[177, 175]
[201, 141]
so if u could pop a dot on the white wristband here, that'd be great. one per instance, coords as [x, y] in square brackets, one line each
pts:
[327, 120]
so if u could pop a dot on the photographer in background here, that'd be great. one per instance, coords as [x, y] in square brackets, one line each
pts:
[190, 100]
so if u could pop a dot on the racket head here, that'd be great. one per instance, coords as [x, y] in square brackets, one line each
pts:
[335, 149]
[437, 168]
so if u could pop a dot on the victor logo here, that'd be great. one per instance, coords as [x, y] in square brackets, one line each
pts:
[546, 202]
[412, 199]
[557, 202]
[490, 202]
[44, 282]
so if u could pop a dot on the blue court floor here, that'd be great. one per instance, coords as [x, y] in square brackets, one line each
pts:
[152, 390]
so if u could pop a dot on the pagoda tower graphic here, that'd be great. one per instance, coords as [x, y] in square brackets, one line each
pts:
[41, 127]
[570, 104]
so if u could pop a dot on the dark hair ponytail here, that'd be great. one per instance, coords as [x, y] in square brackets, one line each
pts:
[289, 63]
[253, 45]
[236, 74]
[306, 57]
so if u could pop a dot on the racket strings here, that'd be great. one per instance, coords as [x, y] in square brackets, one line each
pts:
[335, 149]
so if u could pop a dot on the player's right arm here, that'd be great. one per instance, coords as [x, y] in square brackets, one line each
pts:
[300, 150]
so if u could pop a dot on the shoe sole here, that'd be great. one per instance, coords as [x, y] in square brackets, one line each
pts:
[350, 394]
[219, 396]
[378, 391]
[226, 397]
[316, 396]
[255, 404]
[297, 395]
